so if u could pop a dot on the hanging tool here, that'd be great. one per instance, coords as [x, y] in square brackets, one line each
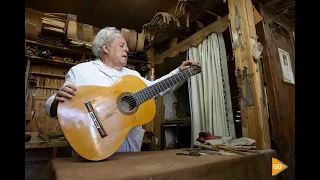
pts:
[240, 79]
[248, 88]
[238, 27]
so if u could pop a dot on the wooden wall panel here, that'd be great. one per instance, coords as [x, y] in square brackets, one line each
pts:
[281, 96]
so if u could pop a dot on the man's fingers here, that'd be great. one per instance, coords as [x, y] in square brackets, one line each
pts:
[69, 90]
[189, 62]
[193, 62]
[71, 86]
[59, 99]
[64, 94]
[186, 64]
[185, 67]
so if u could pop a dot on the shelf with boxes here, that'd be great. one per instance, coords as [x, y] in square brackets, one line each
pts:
[46, 68]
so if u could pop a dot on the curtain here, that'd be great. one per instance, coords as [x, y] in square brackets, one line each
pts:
[209, 91]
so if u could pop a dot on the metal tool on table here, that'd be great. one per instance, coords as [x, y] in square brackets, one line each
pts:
[192, 152]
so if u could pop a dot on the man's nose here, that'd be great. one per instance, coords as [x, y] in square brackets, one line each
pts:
[126, 49]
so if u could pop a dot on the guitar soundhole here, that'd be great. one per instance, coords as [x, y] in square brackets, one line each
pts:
[127, 104]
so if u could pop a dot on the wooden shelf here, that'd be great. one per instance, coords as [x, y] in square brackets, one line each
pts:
[66, 49]
[35, 144]
[35, 58]
[132, 61]
[47, 88]
[67, 64]
[48, 74]
[146, 141]
[49, 61]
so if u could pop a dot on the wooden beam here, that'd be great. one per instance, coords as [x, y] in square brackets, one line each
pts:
[270, 3]
[173, 12]
[157, 122]
[257, 16]
[218, 26]
[253, 116]
[284, 7]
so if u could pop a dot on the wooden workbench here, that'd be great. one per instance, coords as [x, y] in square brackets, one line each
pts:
[165, 165]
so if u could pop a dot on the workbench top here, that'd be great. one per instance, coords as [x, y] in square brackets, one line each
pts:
[167, 165]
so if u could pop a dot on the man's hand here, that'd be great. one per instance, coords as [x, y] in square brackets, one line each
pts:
[187, 64]
[66, 92]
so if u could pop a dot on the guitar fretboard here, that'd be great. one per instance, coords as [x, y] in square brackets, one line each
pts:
[153, 90]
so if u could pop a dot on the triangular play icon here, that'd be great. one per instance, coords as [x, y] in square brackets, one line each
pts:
[277, 166]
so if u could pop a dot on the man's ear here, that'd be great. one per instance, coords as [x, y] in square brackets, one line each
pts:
[105, 48]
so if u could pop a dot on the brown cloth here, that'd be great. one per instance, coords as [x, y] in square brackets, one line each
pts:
[166, 165]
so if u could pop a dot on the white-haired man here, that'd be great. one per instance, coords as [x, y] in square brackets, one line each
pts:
[111, 50]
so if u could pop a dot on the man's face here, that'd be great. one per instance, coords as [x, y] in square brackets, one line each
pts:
[117, 51]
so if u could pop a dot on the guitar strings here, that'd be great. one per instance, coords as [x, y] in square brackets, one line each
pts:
[142, 97]
[134, 102]
[175, 77]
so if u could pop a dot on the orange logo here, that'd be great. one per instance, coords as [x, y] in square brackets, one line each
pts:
[277, 166]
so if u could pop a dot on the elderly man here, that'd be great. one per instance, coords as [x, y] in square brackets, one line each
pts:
[111, 49]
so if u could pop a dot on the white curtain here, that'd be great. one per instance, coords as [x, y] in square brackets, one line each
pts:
[209, 91]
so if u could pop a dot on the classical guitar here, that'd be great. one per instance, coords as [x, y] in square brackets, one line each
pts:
[97, 120]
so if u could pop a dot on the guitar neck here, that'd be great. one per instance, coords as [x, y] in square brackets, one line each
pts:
[155, 89]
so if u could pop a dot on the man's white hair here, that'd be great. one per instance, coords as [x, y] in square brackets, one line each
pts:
[104, 36]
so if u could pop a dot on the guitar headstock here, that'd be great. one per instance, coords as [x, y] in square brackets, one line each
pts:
[195, 69]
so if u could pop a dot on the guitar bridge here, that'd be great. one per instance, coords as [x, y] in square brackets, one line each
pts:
[95, 120]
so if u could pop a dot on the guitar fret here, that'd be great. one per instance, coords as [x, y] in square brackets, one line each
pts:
[149, 94]
[176, 81]
[153, 90]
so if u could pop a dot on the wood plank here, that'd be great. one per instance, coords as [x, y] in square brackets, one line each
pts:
[67, 64]
[146, 141]
[248, 111]
[45, 144]
[218, 26]
[48, 74]
[258, 122]
[233, 32]
[164, 164]
[240, 62]
[254, 120]
[151, 56]
[250, 19]
[257, 16]
[66, 49]
[133, 61]
[158, 120]
[26, 81]
[50, 61]
[280, 96]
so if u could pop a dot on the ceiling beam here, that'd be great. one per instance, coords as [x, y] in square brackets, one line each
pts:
[284, 7]
[195, 15]
[218, 26]
[270, 3]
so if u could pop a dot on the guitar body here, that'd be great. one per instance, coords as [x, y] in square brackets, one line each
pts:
[97, 119]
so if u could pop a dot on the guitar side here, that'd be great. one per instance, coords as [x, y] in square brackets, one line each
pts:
[98, 140]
